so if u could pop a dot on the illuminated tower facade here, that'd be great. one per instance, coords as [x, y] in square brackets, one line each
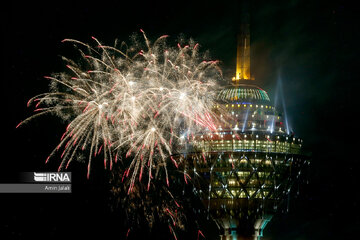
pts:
[243, 51]
[245, 169]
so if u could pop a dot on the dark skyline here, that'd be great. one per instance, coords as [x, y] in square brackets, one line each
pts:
[311, 45]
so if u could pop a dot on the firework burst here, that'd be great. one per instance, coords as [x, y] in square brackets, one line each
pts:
[135, 104]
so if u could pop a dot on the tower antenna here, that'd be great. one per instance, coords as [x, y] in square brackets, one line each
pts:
[243, 45]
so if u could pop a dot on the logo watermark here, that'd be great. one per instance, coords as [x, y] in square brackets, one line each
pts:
[38, 182]
[52, 177]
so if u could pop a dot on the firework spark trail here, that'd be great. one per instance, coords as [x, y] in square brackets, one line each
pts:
[141, 101]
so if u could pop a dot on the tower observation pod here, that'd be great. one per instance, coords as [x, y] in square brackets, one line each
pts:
[244, 171]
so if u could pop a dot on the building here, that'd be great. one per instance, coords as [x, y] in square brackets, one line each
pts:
[245, 170]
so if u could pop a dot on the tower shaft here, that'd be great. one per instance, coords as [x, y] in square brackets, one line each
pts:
[243, 53]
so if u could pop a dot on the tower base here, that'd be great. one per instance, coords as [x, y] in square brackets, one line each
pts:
[248, 233]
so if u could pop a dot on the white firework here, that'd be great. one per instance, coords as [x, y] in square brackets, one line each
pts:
[137, 104]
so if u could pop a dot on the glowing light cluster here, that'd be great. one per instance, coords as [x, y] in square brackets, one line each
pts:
[233, 94]
[133, 104]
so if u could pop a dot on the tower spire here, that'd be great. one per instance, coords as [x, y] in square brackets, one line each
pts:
[243, 46]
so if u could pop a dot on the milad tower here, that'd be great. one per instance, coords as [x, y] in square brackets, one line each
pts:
[246, 168]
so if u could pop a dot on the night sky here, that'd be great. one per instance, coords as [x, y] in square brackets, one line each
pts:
[312, 46]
